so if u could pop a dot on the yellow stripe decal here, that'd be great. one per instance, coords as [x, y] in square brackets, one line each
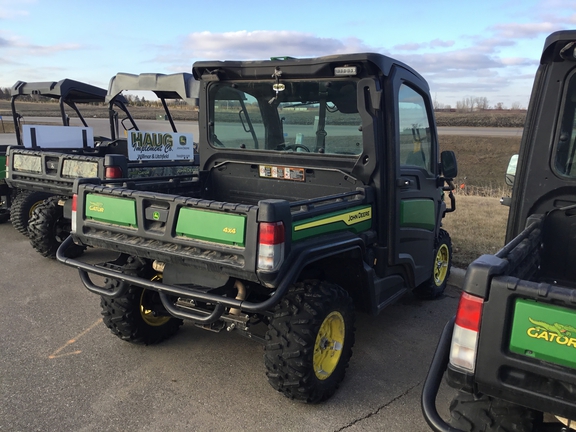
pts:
[349, 218]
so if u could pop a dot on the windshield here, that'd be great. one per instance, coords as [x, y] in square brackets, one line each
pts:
[297, 116]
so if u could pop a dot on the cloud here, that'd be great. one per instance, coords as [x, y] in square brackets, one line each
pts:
[523, 31]
[247, 45]
[409, 47]
[436, 43]
[440, 43]
[51, 49]
[480, 64]
[8, 12]
[14, 43]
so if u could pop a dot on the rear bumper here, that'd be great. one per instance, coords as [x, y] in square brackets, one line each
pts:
[166, 290]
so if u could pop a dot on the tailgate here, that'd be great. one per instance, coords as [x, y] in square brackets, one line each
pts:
[544, 331]
[50, 171]
[170, 228]
[531, 359]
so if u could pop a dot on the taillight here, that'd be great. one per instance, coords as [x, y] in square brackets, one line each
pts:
[465, 334]
[270, 245]
[7, 165]
[113, 172]
[74, 204]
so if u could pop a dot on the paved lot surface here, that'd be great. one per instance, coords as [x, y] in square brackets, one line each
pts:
[62, 370]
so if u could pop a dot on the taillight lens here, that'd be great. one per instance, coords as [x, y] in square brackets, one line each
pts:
[74, 204]
[465, 334]
[270, 245]
[7, 165]
[113, 172]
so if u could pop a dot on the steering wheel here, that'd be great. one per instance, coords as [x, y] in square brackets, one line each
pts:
[295, 147]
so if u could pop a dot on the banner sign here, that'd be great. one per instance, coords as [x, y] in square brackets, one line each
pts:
[157, 146]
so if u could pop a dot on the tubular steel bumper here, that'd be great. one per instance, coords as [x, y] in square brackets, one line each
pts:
[433, 380]
[167, 290]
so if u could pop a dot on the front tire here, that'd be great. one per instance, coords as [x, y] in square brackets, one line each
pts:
[23, 206]
[47, 229]
[435, 286]
[309, 341]
[486, 414]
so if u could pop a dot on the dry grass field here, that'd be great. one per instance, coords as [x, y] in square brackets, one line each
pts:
[482, 162]
[477, 227]
[34, 109]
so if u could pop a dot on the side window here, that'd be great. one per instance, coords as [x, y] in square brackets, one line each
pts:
[415, 139]
[565, 158]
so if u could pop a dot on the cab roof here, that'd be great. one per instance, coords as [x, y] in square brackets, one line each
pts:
[68, 89]
[173, 86]
[370, 64]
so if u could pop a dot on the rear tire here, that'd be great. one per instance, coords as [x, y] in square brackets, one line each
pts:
[23, 206]
[138, 316]
[309, 341]
[487, 414]
[47, 229]
[435, 286]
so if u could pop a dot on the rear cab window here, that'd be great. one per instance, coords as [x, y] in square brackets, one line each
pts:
[307, 116]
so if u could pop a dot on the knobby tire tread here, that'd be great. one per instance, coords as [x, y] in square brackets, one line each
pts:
[292, 335]
[20, 208]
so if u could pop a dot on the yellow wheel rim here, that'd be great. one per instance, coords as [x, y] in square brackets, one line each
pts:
[441, 265]
[33, 207]
[329, 345]
[147, 313]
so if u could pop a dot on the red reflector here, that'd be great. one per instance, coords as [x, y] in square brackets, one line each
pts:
[469, 312]
[74, 202]
[271, 233]
[113, 172]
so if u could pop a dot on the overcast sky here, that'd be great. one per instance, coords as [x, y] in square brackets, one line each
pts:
[487, 48]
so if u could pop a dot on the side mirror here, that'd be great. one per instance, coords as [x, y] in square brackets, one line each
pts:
[448, 164]
[511, 170]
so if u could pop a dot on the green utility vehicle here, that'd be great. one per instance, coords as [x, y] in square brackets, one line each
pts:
[18, 202]
[319, 191]
[47, 164]
[511, 350]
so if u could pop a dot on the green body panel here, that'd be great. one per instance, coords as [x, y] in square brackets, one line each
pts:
[211, 226]
[417, 213]
[2, 167]
[356, 220]
[118, 211]
[544, 332]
